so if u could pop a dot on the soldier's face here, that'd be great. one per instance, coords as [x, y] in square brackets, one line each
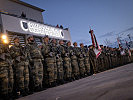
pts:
[69, 44]
[101, 47]
[90, 47]
[16, 40]
[81, 45]
[54, 41]
[75, 44]
[32, 38]
[46, 40]
[61, 42]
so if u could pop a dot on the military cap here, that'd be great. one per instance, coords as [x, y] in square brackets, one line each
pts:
[81, 43]
[68, 42]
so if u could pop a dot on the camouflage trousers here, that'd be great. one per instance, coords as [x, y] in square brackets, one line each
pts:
[94, 65]
[67, 67]
[55, 69]
[132, 58]
[21, 75]
[112, 62]
[36, 72]
[60, 70]
[109, 61]
[106, 63]
[81, 66]
[87, 65]
[100, 64]
[75, 67]
[6, 78]
[49, 70]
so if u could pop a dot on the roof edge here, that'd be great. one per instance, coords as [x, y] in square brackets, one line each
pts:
[28, 5]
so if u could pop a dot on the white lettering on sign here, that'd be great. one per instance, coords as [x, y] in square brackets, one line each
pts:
[41, 29]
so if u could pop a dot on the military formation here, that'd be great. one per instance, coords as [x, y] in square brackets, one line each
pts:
[32, 68]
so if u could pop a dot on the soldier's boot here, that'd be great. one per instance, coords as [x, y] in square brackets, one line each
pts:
[4, 97]
[85, 75]
[47, 85]
[73, 78]
[27, 91]
[67, 80]
[10, 95]
[70, 79]
[89, 74]
[53, 84]
[37, 89]
[82, 76]
[23, 93]
[62, 81]
[77, 77]
[18, 94]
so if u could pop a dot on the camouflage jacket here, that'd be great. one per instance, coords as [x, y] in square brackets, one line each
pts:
[61, 50]
[5, 55]
[33, 52]
[18, 53]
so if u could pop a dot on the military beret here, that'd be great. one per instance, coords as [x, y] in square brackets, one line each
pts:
[46, 36]
[29, 36]
[74, 43]
[90, 46]
[15, 37]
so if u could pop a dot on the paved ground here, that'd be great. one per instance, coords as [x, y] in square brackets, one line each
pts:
[114, 84]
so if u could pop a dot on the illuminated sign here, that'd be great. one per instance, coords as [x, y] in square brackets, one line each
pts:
[41, 29]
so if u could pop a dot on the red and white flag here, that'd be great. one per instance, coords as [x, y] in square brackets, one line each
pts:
[97, 49]
[119, 43]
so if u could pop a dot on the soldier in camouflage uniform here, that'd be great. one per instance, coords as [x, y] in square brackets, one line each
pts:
[100, 60]
[81, 61]
[108, 57]
[75, 66]
[112, 57]
[92, 55]
[20, 67]
[36, 67]
[85, 54]
[66, 61]
[49, 63]
[59, 61]
[53, 46]
[6, 73]
[74, 63]
[106, 62]
[87, 61]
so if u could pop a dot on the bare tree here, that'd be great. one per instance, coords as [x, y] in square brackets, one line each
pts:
[107, 42]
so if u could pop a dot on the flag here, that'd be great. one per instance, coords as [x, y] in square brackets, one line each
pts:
[128, 47]
[97, 49]
[119, 43]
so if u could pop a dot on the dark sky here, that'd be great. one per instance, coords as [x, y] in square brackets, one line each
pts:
[107, 18]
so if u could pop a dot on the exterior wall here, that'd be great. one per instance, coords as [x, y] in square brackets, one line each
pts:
[1, 25]
[13, 24]
[17, 9]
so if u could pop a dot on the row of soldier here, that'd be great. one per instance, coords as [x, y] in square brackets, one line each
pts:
[29, 69]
